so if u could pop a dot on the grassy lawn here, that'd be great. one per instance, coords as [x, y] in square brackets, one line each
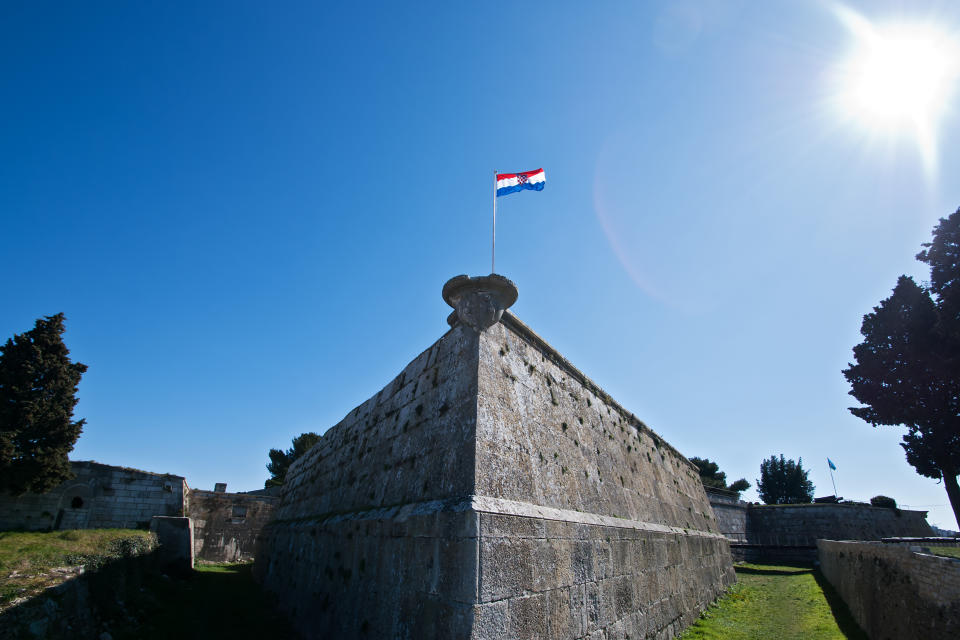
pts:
[779, 602]
[949, 552]
[217, 601]
[33, 561]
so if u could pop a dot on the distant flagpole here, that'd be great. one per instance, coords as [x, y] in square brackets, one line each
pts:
[493, 249]
[831, 467]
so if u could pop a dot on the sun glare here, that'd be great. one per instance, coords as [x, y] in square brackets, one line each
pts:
[899, 78]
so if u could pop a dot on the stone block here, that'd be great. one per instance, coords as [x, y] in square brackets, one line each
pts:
[528, 617]
[175, 537]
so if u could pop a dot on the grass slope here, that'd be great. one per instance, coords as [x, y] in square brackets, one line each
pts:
[781, 602]
[948, 552]
[32, 561]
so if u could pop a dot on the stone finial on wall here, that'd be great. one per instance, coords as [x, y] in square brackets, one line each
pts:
[479, 302]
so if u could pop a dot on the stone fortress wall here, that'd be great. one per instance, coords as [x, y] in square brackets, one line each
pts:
[375, 534]
[99, 496]
[491, 490]
[789, 533]
[895, 591]
[594, 518]
[804, 524]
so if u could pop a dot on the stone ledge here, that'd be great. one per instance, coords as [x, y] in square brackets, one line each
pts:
[496, 506]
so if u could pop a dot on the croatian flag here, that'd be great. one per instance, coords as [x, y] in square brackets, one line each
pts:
[510, 182]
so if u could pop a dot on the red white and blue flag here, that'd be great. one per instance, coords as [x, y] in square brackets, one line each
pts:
[510, 182]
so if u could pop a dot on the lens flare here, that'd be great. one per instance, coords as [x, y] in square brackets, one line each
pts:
[898, 79]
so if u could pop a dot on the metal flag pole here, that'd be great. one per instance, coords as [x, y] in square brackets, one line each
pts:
[832, 480]
[493, 251]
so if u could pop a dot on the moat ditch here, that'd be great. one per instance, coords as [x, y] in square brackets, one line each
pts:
[777, 601]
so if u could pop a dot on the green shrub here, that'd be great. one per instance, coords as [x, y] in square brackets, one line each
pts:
[883, 501]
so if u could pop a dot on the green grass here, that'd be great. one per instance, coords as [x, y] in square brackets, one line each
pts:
[217, 601]
[949, 552]
[32, 561]
[779, 602]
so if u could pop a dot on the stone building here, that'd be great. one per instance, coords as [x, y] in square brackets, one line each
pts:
[492, 490]
[99, 496]
[226, 525]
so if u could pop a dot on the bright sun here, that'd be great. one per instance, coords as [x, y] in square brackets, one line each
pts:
[899, 78]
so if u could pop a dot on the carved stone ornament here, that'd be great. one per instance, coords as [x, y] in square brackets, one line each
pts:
[479, 302]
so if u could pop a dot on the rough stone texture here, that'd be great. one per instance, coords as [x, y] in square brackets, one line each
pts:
[372, 529]
[479, 302]
[895, 593]
[227, 526]
[175, 537]
[547, 434]
[730, 512]
[788, 533]
[805, 524]
[491, 490]
[99, 496]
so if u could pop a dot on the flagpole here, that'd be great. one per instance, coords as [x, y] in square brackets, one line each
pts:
[832, 481]
[493, 250]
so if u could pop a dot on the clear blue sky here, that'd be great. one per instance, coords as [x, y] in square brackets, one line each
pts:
[247, 211]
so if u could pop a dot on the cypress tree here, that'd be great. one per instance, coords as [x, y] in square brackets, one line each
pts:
[38, 386]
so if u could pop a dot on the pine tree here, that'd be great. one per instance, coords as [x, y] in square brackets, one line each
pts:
[38, 386]
[907, 369]
[711, 476]
[280, 461]
[784, 481]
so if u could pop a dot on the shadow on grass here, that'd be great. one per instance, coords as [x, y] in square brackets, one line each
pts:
[773, 570]
[841, 613]
[217, 601]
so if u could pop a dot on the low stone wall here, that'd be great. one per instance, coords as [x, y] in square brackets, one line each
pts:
[227, 526]
[895, 593]
[99, 496]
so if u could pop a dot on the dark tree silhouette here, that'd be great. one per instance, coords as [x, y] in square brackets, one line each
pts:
[711, 476]
[280, 461]
[907, 370]
[784, 482]
[38, 386]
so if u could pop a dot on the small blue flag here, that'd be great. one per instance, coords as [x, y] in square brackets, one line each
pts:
[832, 466]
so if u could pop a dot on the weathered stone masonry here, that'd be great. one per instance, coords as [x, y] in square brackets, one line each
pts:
[98, 496]
[894, 592]
[492, 490]
[226, 525]
[789, 533]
